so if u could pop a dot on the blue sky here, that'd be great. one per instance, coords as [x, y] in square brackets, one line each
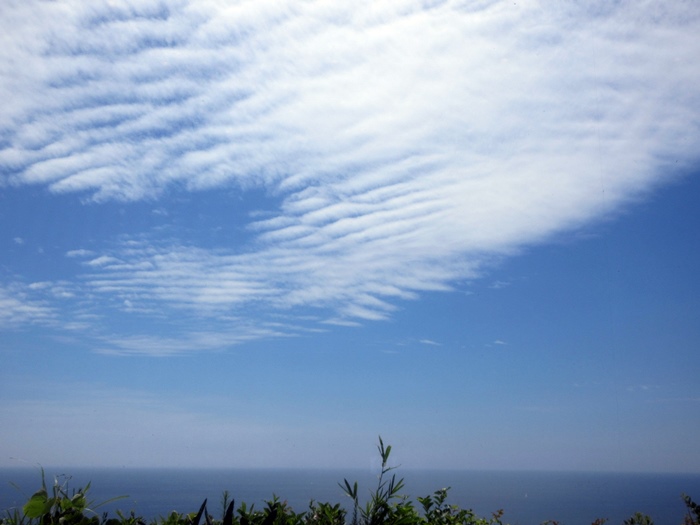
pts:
[259, 234]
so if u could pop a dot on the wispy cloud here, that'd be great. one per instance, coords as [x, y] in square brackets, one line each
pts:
[79, 253]
[406, 144]
[102, 261]
[18, 307]
[642, 388]
[191, 342]
[60, 289]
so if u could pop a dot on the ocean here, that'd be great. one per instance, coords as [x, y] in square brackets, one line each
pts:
[528, 498]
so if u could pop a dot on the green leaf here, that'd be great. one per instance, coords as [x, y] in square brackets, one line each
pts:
[78, 501]
[65, 504]
[43, 479]
[351, 492]
[38, 505]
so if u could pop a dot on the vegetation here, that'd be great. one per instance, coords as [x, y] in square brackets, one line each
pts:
[386, 506]
[59, 508]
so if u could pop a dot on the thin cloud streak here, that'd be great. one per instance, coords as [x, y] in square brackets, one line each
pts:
[407, 145]
[192, 342]
[19, 307]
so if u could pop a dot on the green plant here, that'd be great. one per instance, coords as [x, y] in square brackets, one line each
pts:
[379, 508]
[276, 512]
[692, 517]
[175, 518]
[131, 519]
[59, 508]
[437, 512]
[13, 517]
[639, 519]
[388, 507]
[227, 504]
[325, 514]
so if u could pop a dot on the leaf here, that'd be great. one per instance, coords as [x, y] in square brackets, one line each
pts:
[38, 505]
[228, 516]
[426, 502]
[199, 514]
[351, 492]
[79, 500]
[43, 479]
[272, 516]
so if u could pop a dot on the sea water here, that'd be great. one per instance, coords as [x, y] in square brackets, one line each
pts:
[527, 498]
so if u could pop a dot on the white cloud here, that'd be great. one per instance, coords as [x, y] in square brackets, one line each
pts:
[102, 261]
[79, 253]
[356, 285]
[341, 322]
[192, 338]
[407, 144]
[17, 307]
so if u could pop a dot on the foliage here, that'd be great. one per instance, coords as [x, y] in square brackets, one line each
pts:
[436, 512]
[379, 509]
[639, 519]
[386, 506]
[59, 508]
[693, 515]
[325, 514]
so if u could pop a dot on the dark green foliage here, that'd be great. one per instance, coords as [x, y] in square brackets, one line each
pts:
[325, 514]
[386, 506]
[436, 512]
[693, 515]
[131, 519]
[639, 519]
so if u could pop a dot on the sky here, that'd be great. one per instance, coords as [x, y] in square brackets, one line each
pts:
[262, 233]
